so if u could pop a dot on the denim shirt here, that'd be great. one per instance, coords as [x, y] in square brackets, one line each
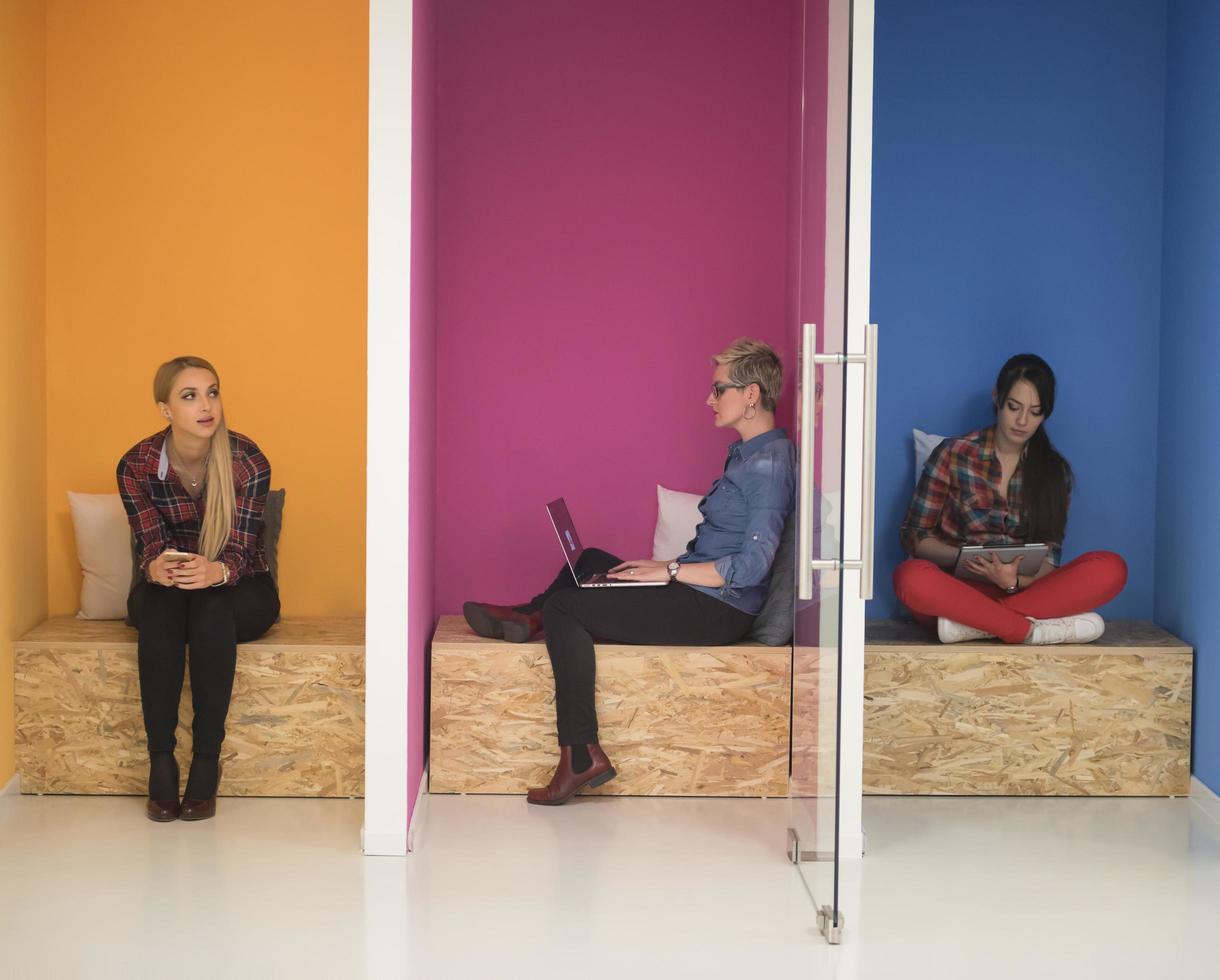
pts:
[743, 517]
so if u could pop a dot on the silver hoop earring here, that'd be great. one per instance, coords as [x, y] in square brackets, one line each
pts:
[749, 418]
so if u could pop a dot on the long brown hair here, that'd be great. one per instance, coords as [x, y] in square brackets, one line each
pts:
[1048, 479]
[220, 498]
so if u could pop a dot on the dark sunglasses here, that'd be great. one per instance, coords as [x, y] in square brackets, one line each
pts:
[720, 387]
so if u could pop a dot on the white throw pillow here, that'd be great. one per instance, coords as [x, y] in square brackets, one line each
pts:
[677, 517]
[103, 548]
[924, 444]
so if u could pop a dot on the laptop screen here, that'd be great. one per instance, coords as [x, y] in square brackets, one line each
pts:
[569, 540]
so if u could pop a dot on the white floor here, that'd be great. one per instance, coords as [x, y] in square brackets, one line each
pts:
[607, 887]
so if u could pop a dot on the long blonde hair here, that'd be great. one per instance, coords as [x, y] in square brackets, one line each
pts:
[220, 502]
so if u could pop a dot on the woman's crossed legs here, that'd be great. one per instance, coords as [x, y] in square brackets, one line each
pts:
[929, 592]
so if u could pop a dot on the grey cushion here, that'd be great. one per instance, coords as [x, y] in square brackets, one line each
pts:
[773, 625]
[273, 519]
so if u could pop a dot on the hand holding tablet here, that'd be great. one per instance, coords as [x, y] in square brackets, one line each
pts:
[1029, 559]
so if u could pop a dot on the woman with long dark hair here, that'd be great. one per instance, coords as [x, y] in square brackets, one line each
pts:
[1003, 485]
[194, 494]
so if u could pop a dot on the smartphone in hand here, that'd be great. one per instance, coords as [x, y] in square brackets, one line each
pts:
[176, 557]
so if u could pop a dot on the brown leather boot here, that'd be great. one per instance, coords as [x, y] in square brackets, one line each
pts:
[502, 622]
[165, 766]
[202, 809]
[566, 783]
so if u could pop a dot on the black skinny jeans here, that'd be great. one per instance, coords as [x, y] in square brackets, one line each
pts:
[671, 614]
[212, 622]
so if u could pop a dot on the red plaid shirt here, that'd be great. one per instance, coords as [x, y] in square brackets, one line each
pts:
[163, 515]
[958, 498]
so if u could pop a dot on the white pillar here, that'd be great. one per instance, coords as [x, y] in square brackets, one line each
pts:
[389, 428]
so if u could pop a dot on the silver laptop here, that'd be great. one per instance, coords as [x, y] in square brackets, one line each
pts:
[569, 541]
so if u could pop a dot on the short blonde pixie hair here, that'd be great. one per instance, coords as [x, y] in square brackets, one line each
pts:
[752, 362]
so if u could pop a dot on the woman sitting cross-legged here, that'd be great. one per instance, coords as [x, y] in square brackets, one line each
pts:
[1005, 484]
[712, 592]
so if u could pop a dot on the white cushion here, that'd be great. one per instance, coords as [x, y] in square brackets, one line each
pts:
[924, 444]
[677, 517]
[103, 548]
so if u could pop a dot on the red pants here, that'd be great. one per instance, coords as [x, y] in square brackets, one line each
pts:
[929, 591]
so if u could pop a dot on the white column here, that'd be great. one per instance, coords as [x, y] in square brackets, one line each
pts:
[851, 718]
[389, 427]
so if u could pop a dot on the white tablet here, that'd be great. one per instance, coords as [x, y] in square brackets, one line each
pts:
[1031, 557]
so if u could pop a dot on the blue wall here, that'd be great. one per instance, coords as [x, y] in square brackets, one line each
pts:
[1017, 191]
[1188, 547]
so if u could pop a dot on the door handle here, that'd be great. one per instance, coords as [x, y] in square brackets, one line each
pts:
[805, 488]
[868, 464]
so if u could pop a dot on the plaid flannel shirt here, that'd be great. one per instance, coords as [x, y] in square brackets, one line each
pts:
[958, 498]
[163, 515]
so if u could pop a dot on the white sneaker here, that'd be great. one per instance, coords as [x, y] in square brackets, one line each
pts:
[1084, 628]
[951, 632]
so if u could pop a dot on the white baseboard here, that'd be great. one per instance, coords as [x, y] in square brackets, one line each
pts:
[393, 843]
[1204, 798]
[419, 814]
[383, 844]
[12, 787]
[851, 845]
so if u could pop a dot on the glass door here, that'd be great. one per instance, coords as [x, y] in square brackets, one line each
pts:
[836, 385]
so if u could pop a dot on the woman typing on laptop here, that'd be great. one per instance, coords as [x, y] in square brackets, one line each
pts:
[711, 593]
[1003, 485]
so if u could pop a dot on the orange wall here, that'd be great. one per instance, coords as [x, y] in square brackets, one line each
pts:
[23, 549]
[206, 194]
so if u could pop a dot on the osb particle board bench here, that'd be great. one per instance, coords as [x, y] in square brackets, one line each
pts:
[1111, 718]
[295, 725]
[676, 721]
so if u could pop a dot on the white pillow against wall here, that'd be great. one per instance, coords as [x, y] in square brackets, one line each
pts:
[830, 515]
[924, 444]
[677, 517]
[103, 548]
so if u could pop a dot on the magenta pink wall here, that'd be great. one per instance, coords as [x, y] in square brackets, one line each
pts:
[422, 516]
[612, 210]
[807, 88]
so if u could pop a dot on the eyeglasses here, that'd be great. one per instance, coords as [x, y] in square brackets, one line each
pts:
[720, 387]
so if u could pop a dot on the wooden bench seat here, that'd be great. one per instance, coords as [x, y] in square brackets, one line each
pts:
[676, 721]
[295, 726]
[1110, 718]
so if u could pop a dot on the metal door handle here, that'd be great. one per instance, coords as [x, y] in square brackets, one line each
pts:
[868, 465]
[805, 499]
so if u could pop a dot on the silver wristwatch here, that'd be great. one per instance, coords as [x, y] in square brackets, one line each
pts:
[672, 568]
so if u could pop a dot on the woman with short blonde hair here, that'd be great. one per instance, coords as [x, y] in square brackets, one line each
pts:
[713, 591]
[194, 495]
[752, 362]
